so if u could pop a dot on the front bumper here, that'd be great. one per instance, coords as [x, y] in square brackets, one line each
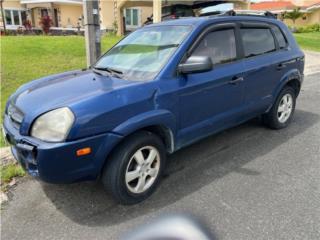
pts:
[58, 162]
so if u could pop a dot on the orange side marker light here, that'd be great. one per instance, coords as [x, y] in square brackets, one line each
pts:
[83, 151]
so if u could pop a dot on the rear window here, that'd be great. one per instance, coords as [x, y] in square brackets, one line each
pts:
[279, 36]
[257, 41]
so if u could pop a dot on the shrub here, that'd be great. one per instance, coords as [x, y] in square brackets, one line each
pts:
[311, 28]
[46, 24]
[27, 25]
[115, 27]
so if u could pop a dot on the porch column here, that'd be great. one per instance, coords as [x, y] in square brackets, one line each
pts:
[51, 13]
[157, 11]
[120, 22]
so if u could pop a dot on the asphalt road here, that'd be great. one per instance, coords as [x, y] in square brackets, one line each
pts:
[246, 183]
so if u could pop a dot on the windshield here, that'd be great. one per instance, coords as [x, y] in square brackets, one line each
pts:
[142, 54]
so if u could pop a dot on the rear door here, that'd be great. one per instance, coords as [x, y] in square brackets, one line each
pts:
[261, 66]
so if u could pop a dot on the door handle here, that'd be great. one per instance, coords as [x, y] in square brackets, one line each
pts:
[236, 80]
[281, 66]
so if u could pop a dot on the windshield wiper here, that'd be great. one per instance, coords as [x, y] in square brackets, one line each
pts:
[114, 72]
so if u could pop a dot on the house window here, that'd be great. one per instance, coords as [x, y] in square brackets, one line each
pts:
[8, 17]
[15, 17]
[132, 16]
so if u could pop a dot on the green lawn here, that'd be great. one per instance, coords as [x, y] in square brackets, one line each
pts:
[29, 57]
[24, 58]
[8, 173]
[309, 41]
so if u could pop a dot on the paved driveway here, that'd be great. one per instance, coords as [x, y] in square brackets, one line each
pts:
[312, 62]
[246, 183]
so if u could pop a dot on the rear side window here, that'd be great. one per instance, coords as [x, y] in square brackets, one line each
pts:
[279, 36]
[257, 41]
[220, 46]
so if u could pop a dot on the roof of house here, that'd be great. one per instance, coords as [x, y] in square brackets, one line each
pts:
[314, 6]
[279, 5]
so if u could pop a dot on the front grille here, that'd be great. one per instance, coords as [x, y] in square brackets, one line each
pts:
[16, 116]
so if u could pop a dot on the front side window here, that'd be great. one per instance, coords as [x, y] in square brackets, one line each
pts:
[142, 54]
[220, 46]
[257, 41]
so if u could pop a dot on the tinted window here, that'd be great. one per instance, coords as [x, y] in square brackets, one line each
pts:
[257, 41]
[279, 36]
[220, 46]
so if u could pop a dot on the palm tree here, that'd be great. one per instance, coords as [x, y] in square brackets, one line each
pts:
[293, 15]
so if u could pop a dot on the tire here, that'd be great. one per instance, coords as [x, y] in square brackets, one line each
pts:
[129, 164]
[274, 119]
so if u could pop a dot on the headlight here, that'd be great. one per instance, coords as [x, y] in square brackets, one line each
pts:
[53, 126]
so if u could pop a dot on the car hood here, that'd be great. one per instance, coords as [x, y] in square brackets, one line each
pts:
[62, 90]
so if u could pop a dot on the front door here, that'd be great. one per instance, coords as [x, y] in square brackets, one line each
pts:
[212, 101]
[55, 18]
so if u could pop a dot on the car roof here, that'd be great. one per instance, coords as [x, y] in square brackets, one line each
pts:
[196, 21]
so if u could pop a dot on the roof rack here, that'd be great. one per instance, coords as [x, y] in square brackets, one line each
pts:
[248, 13]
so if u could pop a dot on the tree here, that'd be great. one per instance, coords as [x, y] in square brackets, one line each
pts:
[293, 15]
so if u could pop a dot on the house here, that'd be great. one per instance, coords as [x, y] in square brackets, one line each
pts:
[64, 13]
[310, 8]
[68, 14]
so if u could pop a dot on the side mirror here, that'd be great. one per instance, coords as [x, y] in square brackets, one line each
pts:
[196, 64]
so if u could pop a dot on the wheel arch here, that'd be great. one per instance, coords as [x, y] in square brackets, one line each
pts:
[293, 79]
[160, 122]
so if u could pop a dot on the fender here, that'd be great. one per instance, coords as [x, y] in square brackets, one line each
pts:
[157, 117]
[290, 75]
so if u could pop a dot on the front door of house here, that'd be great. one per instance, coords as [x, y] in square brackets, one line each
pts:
[55, 18]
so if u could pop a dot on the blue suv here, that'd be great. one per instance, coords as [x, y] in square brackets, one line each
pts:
[161, 88]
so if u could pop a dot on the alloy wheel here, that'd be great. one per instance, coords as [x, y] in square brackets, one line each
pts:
[143, 169]
[285, 108]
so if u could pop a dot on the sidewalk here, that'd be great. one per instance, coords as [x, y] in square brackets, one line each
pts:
[312, 62]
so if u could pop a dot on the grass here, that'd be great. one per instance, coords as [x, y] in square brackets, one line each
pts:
[24, 58]
[309, 41]
[8, 173]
